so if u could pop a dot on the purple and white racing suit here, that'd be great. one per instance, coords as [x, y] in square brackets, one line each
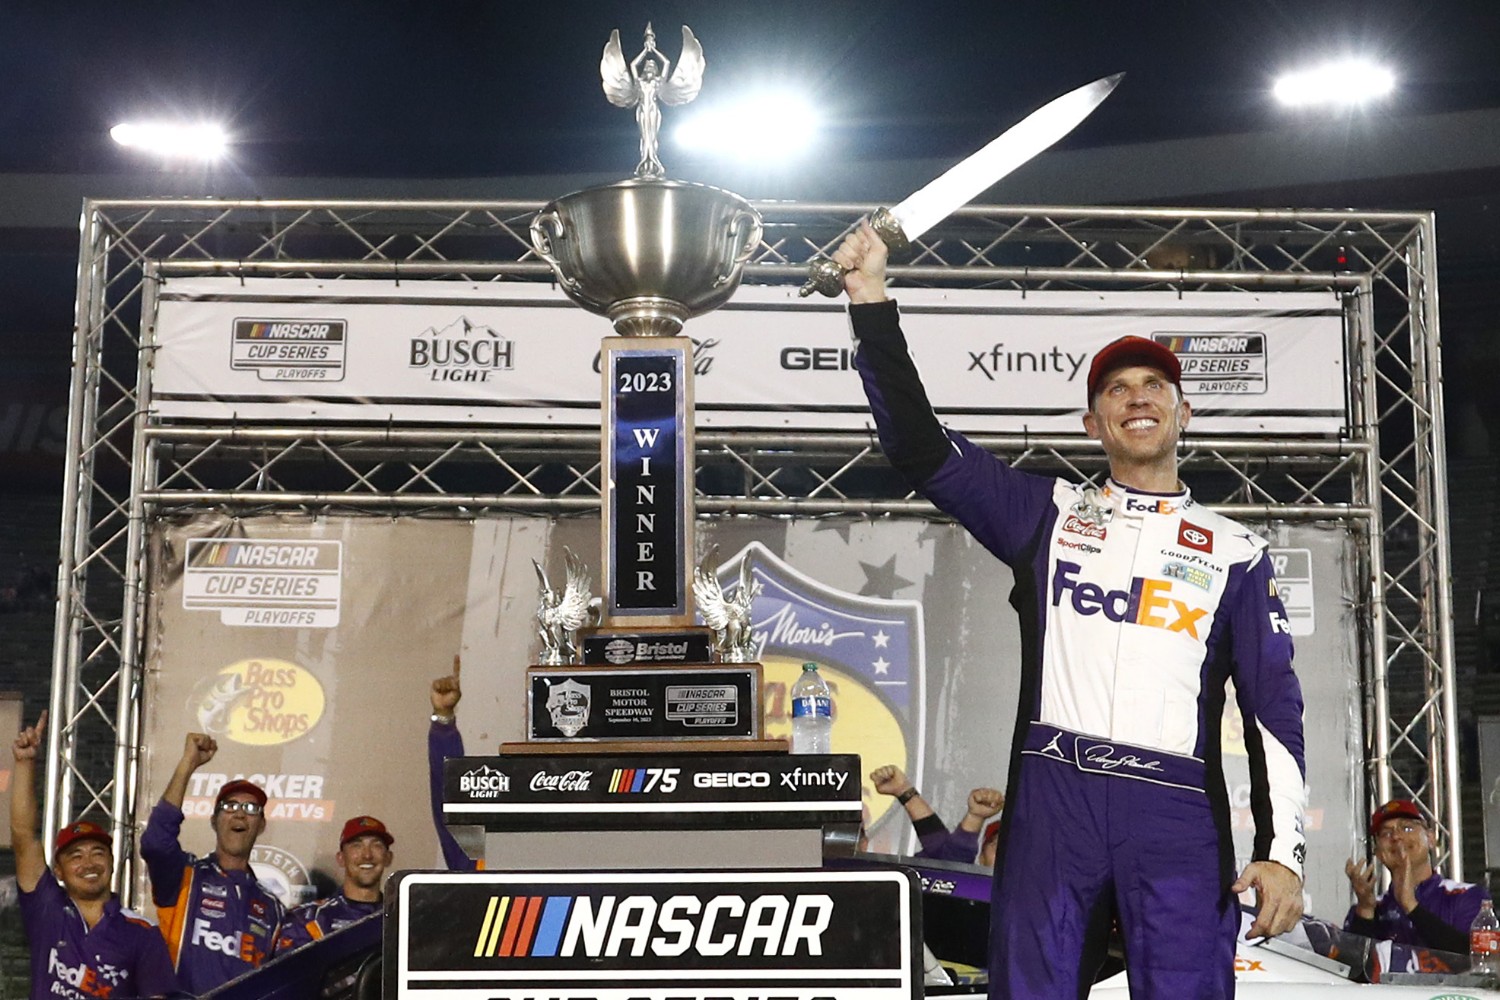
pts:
[1135, 610]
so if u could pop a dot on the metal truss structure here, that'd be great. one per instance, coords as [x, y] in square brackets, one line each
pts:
[1383, 479]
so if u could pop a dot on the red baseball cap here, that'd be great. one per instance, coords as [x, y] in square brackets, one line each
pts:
[359, 826]
[240, 786]
[82, 830]
[1395, 809]
[1128, 352]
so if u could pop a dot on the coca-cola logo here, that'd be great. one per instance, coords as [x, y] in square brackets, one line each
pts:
[572, 781]
[1079, 526]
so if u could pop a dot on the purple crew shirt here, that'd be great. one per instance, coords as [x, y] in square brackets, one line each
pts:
[316, 920]
[121, 956]
[1456, 904]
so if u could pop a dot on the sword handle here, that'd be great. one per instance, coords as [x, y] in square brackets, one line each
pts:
[823, 275]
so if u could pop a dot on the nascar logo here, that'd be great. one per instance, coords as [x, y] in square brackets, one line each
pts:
[633, 780]
[771, 925]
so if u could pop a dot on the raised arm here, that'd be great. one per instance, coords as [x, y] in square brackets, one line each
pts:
[198, 749]
[31, 858]
[444, 741]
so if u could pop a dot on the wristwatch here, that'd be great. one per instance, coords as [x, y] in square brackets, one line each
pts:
[903, 798]
[442, 720]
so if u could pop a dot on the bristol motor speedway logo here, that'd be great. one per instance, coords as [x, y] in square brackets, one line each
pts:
[870, 650]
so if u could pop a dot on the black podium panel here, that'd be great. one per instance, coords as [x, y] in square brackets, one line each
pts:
[666, 791]
[854, 935]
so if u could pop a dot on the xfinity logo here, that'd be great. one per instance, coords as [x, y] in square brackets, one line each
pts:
[998, 360]
[1147, 602]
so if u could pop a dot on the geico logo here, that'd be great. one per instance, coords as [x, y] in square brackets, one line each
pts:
[573, 781]
[1147, 602]
[768, 926]
[205, 936]
[732, 779]
[821, 359]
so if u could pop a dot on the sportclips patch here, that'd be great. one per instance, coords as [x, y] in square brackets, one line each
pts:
[731, 935]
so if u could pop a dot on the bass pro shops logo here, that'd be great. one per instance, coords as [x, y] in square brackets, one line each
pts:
[768, 926]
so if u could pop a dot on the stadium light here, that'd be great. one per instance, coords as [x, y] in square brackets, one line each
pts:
[205, 141]
[1346, 83]
[783, 124]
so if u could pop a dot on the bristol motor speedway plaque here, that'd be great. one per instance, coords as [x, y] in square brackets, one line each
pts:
[705, 702]
[730, 935]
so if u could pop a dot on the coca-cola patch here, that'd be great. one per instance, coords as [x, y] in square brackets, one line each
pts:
[1078, 526]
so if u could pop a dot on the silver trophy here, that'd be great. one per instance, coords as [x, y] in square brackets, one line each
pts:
[729, 617]
[561, 614]
[647, 252]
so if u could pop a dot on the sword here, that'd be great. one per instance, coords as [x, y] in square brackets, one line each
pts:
[965, 180]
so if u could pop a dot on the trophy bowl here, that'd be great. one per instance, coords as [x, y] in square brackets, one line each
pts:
[648, 253]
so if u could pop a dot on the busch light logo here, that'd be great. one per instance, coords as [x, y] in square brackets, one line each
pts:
[484, 782]
[461, 351]
[568, 706]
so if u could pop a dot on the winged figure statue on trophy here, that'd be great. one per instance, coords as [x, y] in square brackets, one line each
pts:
[729, 617]
[561, 615]
[643, 81]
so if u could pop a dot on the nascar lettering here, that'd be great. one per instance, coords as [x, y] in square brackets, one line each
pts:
[290, 350]
[657, 934]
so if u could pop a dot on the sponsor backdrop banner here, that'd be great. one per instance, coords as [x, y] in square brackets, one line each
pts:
[910, 621]
[520, 353]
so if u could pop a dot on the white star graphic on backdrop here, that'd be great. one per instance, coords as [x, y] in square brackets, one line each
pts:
[881, 639]
[881, 666]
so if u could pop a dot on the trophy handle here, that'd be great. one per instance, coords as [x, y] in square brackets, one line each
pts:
[744, 236]
[546, 228]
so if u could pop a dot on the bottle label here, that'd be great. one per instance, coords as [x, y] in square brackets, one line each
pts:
[812, 705]
[1484, 942]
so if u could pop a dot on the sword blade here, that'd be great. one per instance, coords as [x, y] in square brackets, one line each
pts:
[966, 180]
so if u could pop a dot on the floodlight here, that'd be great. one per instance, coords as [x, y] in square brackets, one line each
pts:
[779, 125]
[1346, 82]
[173, 140]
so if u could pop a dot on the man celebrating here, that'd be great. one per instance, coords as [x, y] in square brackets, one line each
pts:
[1137, 606]
[83, 943]
[364, 855]
[218, 920]
[1421, 907]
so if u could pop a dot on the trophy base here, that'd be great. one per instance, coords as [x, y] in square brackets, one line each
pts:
[643, 703]
[647, 316]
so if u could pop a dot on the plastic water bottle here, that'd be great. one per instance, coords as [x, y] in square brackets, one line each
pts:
[1484, 941]
[812, 713]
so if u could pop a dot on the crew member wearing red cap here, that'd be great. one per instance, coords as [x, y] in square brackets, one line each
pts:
[1421, 907]
[1136, 606]
[83, 943]
[364, 855]
[219, 921]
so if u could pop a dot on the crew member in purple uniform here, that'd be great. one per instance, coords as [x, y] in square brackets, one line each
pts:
[84, 945]
[1136, 606]
[1421, 907]
[444, 741]
[218, 920]
[364, 855]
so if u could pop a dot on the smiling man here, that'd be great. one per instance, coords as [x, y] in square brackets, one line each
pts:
[1421, 907]
[219, 921]
[1137, 606]
[364, 855]
[83, 944]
